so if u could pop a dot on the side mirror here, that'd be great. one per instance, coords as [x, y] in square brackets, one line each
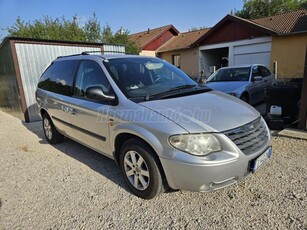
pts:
[96, 93]
[257, 78]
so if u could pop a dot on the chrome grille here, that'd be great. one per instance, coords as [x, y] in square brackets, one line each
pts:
[250, 137]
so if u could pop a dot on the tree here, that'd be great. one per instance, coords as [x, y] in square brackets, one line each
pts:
[197, 28]
[265, 8]
[122, 37]
[71, 30]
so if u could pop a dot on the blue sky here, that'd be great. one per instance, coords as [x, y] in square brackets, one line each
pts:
[134, 15]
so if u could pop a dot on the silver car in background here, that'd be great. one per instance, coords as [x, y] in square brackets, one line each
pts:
[245, 82]
[164, 130]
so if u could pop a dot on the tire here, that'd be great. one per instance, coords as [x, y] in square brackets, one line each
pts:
[51, 133]
[140, 168]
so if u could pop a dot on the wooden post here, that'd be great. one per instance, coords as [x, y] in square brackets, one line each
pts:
[303, 111]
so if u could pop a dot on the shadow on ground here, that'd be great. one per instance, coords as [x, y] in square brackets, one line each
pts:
[96, 161]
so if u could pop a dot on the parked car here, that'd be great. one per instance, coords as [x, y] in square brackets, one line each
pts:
[245, 82]
[164, 130]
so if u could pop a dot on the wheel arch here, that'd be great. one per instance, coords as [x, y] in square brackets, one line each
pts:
[121, 138]
[245, 93]
[43, 112]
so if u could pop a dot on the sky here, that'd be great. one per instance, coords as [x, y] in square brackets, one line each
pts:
[133, 15]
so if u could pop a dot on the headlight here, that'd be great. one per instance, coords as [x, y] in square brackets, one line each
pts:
[196, 144]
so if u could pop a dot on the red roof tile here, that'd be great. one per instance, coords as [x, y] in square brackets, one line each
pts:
[291, 22]
[183, 40]
[143, 38]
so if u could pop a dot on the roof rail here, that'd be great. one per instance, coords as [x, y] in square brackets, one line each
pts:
[68, 55]
[102, 52]
[92, 52]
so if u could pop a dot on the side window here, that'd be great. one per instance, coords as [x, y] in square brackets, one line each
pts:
[59, 77]
[265, 71]
[256, 71]
[90, 74]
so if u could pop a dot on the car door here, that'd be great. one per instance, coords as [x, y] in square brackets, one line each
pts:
[89, 118]
[257, 86]
[58, 81]
[269, 78]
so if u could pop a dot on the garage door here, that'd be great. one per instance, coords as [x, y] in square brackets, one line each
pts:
[253, 54]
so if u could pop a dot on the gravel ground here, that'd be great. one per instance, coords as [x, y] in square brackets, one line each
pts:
[69, 186]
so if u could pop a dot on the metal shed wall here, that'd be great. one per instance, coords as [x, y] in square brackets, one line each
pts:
[9, 90]
[32, 61]
[113, 49]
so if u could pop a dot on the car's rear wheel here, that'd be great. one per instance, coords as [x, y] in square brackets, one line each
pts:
[140, 168]
[51, 133]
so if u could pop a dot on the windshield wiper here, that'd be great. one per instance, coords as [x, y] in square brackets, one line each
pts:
[187, 86]
[181, 87]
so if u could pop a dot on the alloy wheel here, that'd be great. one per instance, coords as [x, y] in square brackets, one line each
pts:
[47, 128]
[136, 170]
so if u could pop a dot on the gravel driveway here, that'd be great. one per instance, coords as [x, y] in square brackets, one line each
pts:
[69, 186]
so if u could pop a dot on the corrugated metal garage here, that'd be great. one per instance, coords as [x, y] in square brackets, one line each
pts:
[22, 61]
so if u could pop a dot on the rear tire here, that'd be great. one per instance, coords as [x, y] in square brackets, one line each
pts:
[140, 168]
[51, 133]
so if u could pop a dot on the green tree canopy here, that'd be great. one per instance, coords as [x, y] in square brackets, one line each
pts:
[264, 8]
[71, 30]
[194, 28]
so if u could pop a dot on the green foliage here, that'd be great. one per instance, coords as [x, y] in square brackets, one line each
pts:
[71, 30]
[197, 28]
[122, 37]
[264, 8]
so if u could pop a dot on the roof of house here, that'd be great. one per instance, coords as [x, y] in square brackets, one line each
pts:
[183, 40]
[286, 23]
[281, 24]
[143, 38]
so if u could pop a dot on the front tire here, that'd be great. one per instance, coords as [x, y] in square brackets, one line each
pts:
[51, 133]
[139, 166]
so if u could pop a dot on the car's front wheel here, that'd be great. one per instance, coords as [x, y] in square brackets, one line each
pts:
[139, 166]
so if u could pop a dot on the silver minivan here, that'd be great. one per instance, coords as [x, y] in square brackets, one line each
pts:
[164, 130]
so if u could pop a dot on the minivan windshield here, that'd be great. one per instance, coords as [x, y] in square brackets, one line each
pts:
[230, 74]
[143, 77]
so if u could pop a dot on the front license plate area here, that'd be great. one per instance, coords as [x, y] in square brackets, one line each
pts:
[256, 163]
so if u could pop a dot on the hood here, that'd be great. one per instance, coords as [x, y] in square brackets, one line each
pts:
[206, 112]
[227, 86]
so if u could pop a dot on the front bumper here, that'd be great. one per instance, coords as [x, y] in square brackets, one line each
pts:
[205, 174]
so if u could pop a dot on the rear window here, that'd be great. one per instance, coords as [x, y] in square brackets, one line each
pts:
[265, 71]
[59, 77]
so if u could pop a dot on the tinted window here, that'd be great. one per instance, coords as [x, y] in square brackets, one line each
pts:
[265, 71]
[58, 78]
[142, 77]
[230, 74]
[90, 74]
[256, 71]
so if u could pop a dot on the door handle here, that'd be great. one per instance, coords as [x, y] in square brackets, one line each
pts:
[65, 109]
[73, 112]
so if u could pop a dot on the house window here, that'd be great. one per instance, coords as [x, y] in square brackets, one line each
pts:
[176, 60]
